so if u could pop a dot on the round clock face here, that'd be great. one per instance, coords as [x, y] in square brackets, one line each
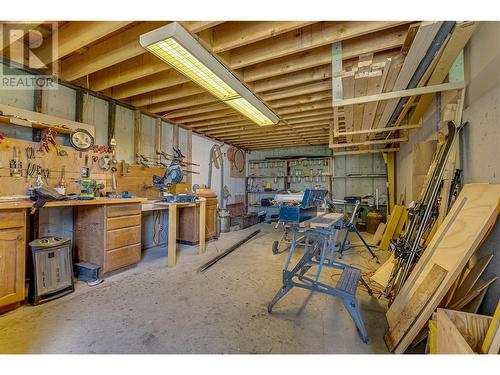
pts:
[82, 140]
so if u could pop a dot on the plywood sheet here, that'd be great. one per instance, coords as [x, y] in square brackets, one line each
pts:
[469, 220]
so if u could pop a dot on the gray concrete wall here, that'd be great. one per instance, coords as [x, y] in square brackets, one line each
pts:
[480, 140]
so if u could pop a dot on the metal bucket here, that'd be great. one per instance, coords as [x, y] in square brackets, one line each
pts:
[225, 220]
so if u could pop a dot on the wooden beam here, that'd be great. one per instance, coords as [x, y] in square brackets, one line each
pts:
[235, 34]
[198, 26]
[75, 35]
[400, 94]
[298, 91]
[366, 143]
[315, 35]
[201, 109]
[297, 100]
[368, 151]
[423, 40]
[189, 159]
[381, 130]
[110, 51]
[137, 134]
[152, 82]
[382, 41]
[163, 95]
[134, 68]
[158, 132]
[459, 38]
[181, 103]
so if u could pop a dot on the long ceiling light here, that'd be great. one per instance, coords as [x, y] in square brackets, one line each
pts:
[178, 48]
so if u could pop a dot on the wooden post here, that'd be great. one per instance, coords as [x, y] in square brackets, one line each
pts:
[203, 205]
[158, 140]
[172, 234]
[111, 121]
[189, 156]
[336, 83]
[137, 134]
[391, 199]
[175, 136]
[79, 106]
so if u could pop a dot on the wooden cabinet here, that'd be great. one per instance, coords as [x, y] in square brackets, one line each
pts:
[12, 256]
[189, 219]
[109, 236]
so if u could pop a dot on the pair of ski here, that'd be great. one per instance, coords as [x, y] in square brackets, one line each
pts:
[421, 217]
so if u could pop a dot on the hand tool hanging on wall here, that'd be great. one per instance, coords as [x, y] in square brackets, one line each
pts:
[218, 162]
[16, 166]
[81, 140]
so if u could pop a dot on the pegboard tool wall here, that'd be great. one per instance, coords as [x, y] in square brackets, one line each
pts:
[73, 163]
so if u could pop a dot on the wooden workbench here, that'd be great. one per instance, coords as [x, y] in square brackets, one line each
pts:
[172, 224]
[107, 234]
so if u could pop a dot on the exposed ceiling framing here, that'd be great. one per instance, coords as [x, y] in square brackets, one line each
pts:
[288, 64]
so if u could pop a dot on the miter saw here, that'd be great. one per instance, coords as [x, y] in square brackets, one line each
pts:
[173, 175]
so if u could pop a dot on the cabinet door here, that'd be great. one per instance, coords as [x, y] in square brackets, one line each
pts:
[12, 253]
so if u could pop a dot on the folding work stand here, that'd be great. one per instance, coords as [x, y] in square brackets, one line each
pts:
[320, 242]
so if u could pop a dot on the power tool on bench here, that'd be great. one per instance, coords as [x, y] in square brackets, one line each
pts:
[173, 175]
[90, 188]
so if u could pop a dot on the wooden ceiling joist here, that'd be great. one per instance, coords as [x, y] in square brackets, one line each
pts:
[369, 143]
[231, 35]
[386, 40]
[152, 82]
[312, 36]
[114, 50]
[198, 26]
[87, 32]
[163, 95]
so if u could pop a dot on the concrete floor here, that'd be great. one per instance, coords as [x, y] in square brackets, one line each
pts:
[153, 309]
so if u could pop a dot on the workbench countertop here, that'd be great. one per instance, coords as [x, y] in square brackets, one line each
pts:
[26, 203]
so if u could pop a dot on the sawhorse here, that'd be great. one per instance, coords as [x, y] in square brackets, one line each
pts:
[318, 243]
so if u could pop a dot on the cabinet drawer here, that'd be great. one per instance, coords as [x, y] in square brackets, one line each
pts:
[122, 257]
[123, 237]
[12, 218]
[123, 222]
[126, 209]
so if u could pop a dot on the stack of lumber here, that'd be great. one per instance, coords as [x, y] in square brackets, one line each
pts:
[427, 45]
[442, 263]
[457, 332]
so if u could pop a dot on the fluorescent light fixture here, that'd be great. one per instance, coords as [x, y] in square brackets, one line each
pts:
[178, 48]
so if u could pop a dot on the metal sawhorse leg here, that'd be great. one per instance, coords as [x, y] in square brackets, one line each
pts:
[320, 242]
[352, 228]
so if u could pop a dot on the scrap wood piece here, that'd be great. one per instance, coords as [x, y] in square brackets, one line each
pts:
[459, 38]
[449, 339]
[470, 218]
[471, 279]
[432, 336]
[423, 40]
[491, 343]
[392, 224]
[401, 223]
[473, 306]
[472, 327]
[415, 305]
[377, 236]
[474, 293]
[360, 90]
[373, 87]
[383, 273]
